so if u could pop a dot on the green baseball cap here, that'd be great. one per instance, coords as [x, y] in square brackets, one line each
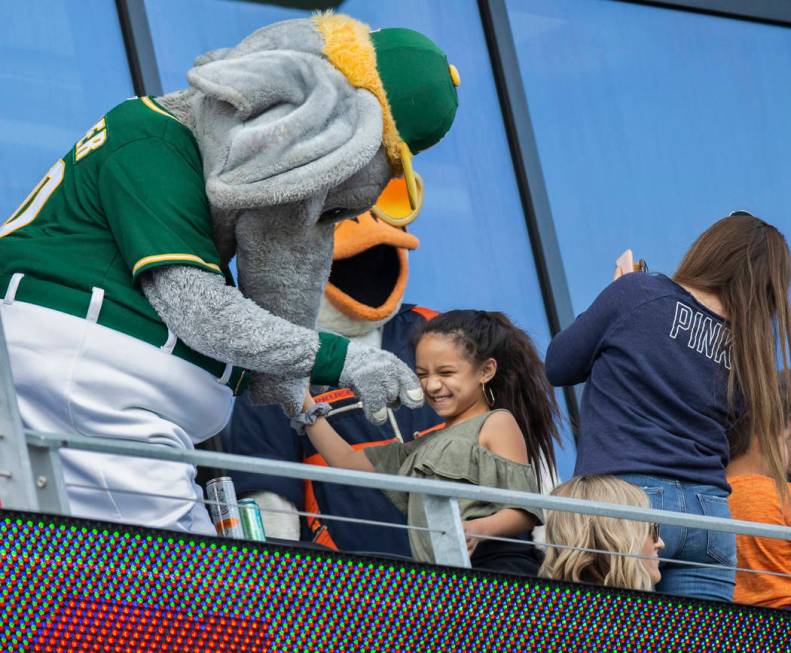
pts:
[419, 83]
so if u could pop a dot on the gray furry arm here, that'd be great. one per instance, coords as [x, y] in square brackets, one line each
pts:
[218, 321]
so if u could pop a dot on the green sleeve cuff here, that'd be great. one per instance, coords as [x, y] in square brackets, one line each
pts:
[329, 361]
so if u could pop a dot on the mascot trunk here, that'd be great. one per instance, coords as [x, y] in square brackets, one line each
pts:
[118, 312]
[363, 301]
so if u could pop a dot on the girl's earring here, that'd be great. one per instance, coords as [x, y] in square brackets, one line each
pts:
[488, 395]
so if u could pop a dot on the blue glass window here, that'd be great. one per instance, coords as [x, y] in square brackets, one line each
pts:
[62, 65]
[475, 251]
[651, 124]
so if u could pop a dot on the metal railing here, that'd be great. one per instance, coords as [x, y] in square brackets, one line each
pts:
[31, 478]
[441, 497]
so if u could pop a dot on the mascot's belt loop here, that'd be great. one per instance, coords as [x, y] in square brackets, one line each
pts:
[226, 375]
[95, 307]
[13, 285]
[170, 343]
[108, 314]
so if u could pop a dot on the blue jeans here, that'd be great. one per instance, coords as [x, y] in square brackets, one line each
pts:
[692, 544]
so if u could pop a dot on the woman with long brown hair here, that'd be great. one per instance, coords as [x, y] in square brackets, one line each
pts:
[670, 365]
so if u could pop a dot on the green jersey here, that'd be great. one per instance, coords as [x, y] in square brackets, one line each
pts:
[129, 196]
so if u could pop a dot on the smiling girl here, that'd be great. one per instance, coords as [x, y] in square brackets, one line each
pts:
[484, 377]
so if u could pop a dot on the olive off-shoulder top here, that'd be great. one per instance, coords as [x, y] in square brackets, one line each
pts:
[451, 454]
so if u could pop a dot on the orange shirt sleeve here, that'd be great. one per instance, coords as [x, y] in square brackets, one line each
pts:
[755, 498]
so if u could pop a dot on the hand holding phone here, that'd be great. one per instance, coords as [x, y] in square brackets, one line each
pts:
[624, 264]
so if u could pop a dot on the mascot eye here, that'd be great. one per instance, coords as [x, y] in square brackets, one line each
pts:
[333, 214]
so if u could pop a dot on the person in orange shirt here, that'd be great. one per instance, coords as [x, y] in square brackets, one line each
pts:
[755, 498]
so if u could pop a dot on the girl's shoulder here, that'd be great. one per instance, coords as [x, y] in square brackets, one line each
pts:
[455, 454]
[495, 432]
[498, 420]
[500, 434]
[498, 417]
[472, 427]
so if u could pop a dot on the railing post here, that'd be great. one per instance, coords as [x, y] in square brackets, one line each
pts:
[47, 473]
[17, 489]
[449, 544]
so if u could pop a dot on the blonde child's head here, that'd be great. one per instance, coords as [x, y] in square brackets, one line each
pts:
[604, 534]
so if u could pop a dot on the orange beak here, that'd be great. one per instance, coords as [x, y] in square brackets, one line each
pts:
[370, 267]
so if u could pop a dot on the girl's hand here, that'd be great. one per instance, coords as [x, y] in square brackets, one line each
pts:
[308, 402]
[508, 522]
[475, 527]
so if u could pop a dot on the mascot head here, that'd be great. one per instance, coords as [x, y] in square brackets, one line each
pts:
[298, 108]
[301, 125]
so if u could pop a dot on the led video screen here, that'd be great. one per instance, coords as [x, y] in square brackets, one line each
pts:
[70, 585]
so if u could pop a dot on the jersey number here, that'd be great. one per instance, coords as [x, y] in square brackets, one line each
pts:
[93, 140]
[35, 201]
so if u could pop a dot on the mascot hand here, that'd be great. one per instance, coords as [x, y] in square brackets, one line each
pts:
[380, 379]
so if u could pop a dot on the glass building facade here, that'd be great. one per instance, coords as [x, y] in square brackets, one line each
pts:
[585, 127]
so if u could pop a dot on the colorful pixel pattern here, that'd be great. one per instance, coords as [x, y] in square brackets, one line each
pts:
[73, 585]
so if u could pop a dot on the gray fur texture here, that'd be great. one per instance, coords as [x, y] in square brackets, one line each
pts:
[218, 321]
[284, 261]
[298, 35]
[283, 269]
[281, 126]
[289, 148]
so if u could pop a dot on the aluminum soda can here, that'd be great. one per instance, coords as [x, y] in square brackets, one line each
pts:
[252, 522]
[223, 509]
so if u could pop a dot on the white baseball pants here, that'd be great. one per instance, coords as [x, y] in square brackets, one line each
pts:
[75, 376]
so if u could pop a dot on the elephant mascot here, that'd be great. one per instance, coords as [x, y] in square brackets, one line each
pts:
[363, 300]
[120, 316]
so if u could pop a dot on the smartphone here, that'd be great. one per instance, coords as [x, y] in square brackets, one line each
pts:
[625, 264]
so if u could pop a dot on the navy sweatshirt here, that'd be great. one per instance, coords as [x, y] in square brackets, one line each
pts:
[655, 363]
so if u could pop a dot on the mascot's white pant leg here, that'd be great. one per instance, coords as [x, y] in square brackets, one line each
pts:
[78, 377]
